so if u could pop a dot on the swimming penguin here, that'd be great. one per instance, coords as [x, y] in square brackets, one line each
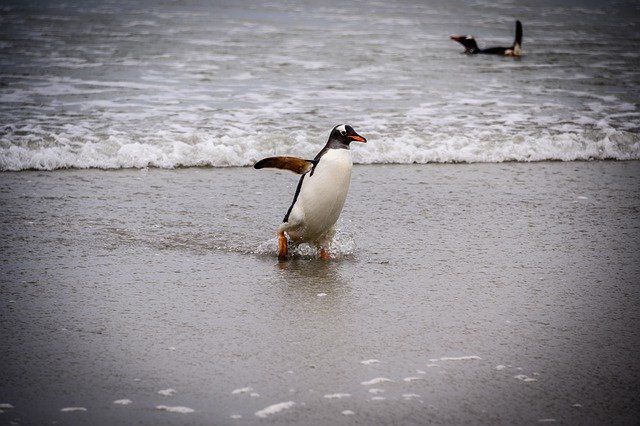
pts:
[471, 47]
[321, 192]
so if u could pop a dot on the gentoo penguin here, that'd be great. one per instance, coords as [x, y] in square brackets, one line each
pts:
[320, 194]
[471, 47]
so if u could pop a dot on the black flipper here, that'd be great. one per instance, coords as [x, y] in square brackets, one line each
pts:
[293, 164]
[516, 47]
[518, 40]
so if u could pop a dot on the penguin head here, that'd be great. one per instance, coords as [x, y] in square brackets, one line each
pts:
[467, 41]
[342, 135]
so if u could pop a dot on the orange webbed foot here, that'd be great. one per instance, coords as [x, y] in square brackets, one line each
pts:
[283, 248]
[324, 254]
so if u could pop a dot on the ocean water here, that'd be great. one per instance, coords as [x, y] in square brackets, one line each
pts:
[113, 84]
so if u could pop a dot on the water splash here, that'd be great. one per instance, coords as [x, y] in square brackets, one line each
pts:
[343, 245]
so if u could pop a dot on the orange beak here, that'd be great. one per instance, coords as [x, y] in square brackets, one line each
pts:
[357, 138]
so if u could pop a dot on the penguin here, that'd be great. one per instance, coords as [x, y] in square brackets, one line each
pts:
[320, 194]
[471, 47]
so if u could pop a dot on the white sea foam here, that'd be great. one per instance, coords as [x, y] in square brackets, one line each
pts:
[247, 389]
[5, 406]
[376, 381]
[275, 408]
[185, 148]
[370, 361]
[525, 378]
[457, 358]
[337, 395]
[177, 409]
[72, 409]
[122, 401]
[410, 396]
[167, 392]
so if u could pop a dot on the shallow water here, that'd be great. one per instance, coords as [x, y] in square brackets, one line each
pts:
[469, 293]
[112, 84]
[484, 293]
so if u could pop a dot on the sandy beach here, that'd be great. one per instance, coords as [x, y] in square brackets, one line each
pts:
[460, 294]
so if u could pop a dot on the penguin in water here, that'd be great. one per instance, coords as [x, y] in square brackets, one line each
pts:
[471, 47]
[321, 192]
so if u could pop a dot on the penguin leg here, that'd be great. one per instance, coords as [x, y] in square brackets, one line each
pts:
[325, 254]
[283, 248]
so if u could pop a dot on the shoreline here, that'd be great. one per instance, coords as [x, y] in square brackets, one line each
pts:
[430, 163]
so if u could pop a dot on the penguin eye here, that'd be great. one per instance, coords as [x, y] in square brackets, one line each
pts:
[343, 132]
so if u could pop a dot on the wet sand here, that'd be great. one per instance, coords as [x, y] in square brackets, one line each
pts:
[484, 294]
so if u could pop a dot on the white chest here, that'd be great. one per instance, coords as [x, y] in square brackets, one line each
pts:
[323, 194]
[333, 170]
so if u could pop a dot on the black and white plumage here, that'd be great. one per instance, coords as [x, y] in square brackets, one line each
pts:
[320, 194]
[471, 47]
